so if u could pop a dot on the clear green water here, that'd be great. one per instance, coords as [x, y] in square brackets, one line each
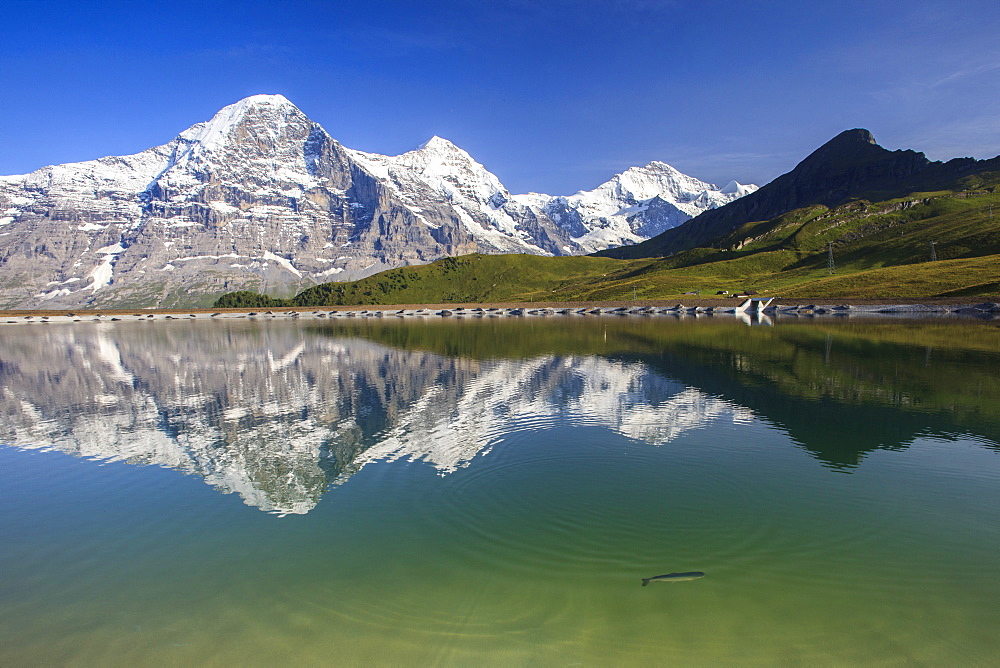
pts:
[483, 492]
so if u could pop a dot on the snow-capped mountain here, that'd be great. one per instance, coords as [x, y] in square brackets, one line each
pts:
[440, 176]
[261, 197]
[633, 206]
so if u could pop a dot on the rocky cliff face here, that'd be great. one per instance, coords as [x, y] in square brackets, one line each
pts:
[260, 197]
[848, 167]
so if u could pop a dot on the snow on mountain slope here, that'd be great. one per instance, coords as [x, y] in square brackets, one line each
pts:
[438, 172]
[632, 206]
[259, 136]
[260, 197]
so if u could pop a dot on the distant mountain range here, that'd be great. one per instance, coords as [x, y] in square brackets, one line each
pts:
[260, 197]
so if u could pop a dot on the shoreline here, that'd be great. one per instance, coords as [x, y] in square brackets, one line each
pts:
[969, 308]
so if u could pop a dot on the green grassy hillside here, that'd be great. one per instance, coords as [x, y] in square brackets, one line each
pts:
[880, 250]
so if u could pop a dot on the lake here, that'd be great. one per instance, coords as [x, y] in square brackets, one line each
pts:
[494, 491]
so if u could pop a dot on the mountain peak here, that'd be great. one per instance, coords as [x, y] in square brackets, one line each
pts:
[256, 104]
[436, 143]
[655, 178]
[855, 136]
[440, 151]
[213, 132]
[848, 148]
[276, 99]
[849, 141]
[658, 165]
[737, 188]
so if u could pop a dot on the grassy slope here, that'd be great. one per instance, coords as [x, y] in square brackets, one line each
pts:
[881, 250]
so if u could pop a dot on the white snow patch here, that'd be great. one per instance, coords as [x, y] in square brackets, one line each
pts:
[329, 272]
[61, 292]
[738, 189]
[268, 255]
[423, 220]
[113, 249]
[102, 273]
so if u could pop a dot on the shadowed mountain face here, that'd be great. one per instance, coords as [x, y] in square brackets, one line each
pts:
[276, 412]
[850, 166]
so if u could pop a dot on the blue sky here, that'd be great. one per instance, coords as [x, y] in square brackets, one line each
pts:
[551, 95]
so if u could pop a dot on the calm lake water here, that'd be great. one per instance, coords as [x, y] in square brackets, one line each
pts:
[493, 491]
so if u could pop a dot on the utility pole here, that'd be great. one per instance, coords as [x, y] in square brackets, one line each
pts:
[933, 252]
[831, 268]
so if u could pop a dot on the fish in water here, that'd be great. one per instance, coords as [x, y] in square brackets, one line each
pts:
[673, 577]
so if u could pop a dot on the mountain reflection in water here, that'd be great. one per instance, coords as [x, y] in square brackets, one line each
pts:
[277, 411]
